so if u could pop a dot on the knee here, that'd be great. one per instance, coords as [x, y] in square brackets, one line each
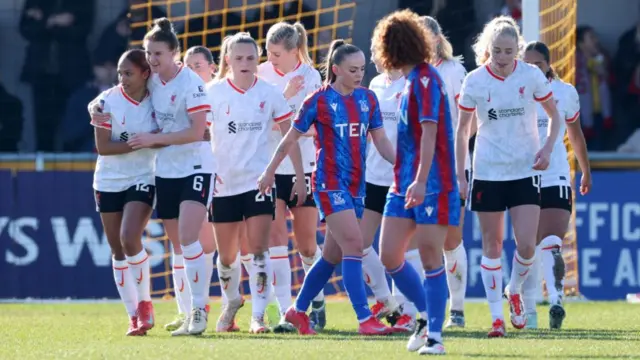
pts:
[118, 254]
[307, 247]
[391, 260]
[527, 250]
[226, 259]
[128, 237]
[352, 244]
[492, 249]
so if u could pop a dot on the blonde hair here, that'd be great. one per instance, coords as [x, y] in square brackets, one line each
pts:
[291, 37]
[501, 25]
[444, 50]
[225, 48]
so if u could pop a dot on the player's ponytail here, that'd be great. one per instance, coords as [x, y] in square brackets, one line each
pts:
[501, 25]
[338, 50]
[542, 49]
[444, 49]
[291, 37]
[163, 31]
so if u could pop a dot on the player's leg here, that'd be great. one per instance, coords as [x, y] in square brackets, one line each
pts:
[443, 212]
[192, 212]
[374, 274]
[455, 258]
[487, 201]
[524, 210]
[279, 254]
[136, 215]
[110, 205]
[208, 242]
[259, 213]
[407, 321]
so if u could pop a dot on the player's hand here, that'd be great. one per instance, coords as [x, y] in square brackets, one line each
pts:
[585, 183]
[542, 160]
[300, 189]
[207, 135]
[463, 187]
[98, 118]
[265, 182]
[216, 180]
[294, 86]
[142, 141]
[415, 194]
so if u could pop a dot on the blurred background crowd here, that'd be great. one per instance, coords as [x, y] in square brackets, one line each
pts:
[66, 51]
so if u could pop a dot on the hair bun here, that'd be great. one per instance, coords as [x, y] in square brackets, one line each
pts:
[164, 24]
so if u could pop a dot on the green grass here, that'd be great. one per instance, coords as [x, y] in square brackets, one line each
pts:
[96, 331]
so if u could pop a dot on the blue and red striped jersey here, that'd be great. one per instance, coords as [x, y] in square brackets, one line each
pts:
[342, 124]
[424, 99]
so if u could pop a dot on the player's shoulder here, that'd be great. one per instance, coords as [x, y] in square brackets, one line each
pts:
[455, 64]
[111, 92]
[308, 71]
[266, 70]
[528, 69]
[562, 88]
[378, 81]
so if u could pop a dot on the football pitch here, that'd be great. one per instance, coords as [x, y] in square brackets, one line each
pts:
[96, 331]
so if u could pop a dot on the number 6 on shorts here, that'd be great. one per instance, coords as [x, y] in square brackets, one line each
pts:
[197, 182]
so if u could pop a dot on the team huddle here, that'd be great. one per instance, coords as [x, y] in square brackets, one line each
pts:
[223, 157]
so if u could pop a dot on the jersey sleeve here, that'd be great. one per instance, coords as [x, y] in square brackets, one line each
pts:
[428, 95]
[281, 109]
[307, 114]
[197, 100]
[571, 105]
[457, 78]
[375, 120]
[103, 101]
[466, 100]
[315, 81]
[542, 88]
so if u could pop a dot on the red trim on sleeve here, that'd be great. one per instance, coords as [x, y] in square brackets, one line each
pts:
[544, 98]
[283, 117]
[199, 108]
[573, 118]
[464, 108]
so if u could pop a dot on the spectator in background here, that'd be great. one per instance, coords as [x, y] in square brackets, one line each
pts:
[56, 61]
[593, 88]
[76, 132]
[627, 63]
[512, 8]
[114, 39]
[11, 121]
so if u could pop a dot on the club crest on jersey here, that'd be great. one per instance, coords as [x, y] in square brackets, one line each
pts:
[398, 95]
[173, 99]
[425, 81]
[337, 198]
[261, 107]
[521, 92]
[364, 107]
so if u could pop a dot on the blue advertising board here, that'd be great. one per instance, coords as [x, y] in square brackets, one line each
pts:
[52, 244]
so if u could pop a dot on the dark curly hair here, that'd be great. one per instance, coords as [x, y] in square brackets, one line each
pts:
[401, 39]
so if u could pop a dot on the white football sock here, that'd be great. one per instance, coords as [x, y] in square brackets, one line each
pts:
[456, 264]
[491, 272]
[548, 245]
[307, 263]
[126, 287]
[230, 278]
[181, 285]
[520, 270]
[196, 268]
[208, 258]
[530, 286]
[139, 268]
[260, 295]
[247, 262]
[374, 274]
[281, 276]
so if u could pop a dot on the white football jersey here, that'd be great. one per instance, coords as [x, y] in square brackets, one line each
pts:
[379, 171]
[173, 102]
[115, 173]
[453, 73]
[568, 103]
[241, 131]
[312, 82]
[507, 138]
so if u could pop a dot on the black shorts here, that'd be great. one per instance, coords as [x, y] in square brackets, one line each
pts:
[284, 184]
[376, 197]
[556, 197]
[227, 209]
[492, 196]
[172, 192]
[109, 202]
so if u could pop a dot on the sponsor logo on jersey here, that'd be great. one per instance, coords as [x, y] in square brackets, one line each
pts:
[425, 81]
[492, 114]
[231, 126]
[505, 113]
[334, 106]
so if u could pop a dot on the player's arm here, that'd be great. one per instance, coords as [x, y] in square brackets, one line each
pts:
[106, 146]
[315, 83]
[282, 117]
[576, 138]
[542, 94]
[377, 133]
[428, 98]
[466, 118]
